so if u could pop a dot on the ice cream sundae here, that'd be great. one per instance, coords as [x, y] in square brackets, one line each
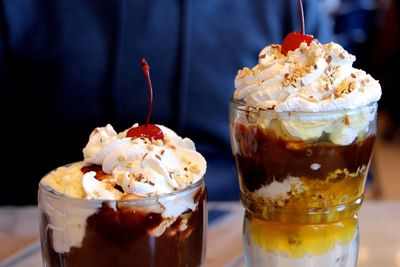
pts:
[303, 124]
[136, 199]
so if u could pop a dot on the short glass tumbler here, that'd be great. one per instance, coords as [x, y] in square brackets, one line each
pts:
[78, 232]
[301, 176]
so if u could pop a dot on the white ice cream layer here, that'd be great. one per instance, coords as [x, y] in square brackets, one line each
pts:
[340, 256]
[280, 190]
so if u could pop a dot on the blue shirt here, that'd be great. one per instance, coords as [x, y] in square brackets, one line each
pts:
[67, 67]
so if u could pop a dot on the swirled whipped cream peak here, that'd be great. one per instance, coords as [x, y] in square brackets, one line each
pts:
[118, 167]
[313, 78]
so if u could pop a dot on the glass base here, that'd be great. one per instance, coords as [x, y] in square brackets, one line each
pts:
[279, 244]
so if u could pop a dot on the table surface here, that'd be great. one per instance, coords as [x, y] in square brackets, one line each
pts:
[379, 234]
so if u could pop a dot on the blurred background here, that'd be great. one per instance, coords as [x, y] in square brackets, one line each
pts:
[67, 67]
[370, 30]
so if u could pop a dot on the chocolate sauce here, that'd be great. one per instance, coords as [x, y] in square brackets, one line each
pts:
[121, 238]
[263, 157]
[98, 169]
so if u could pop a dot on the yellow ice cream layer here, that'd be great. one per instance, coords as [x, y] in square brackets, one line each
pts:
[66, 180]
[297, 240]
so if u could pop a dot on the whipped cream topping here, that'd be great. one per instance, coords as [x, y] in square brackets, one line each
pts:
[311, 78]
[139, 166]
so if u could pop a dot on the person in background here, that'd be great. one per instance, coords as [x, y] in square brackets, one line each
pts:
[355, 23]
[67, 67]
[384, 63]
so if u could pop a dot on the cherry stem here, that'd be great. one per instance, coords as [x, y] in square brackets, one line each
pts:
[303, 32]
[146, 71]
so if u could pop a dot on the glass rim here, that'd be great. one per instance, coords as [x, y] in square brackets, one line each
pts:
[242, 106]
[61, 196]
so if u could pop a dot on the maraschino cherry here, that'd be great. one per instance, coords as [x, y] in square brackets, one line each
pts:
[293, 40]
[150, 131]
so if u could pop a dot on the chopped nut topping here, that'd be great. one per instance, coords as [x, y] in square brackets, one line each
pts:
[244, 72]
[171, 146]
[121, 158]
[129, 165]
[328, 59]
[131, 196]
[140, 176]
[195, 169]
[326, 97]
[158, 142]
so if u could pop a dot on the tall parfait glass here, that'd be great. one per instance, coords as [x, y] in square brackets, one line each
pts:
[302, 177]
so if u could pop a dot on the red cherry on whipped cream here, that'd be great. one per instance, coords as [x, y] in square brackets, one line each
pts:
[150, 131]
[293, 40]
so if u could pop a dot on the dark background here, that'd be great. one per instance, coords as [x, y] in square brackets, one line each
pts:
[67, 67]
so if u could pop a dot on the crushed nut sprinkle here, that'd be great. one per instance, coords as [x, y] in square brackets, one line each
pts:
[131, 196]
[171, 146]
[140, 176]
[312, 99]
[325, 97]
[244, 72]
[328, 59]
[194, 169]
[129, 165]
[158, 142]
[335, 74]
